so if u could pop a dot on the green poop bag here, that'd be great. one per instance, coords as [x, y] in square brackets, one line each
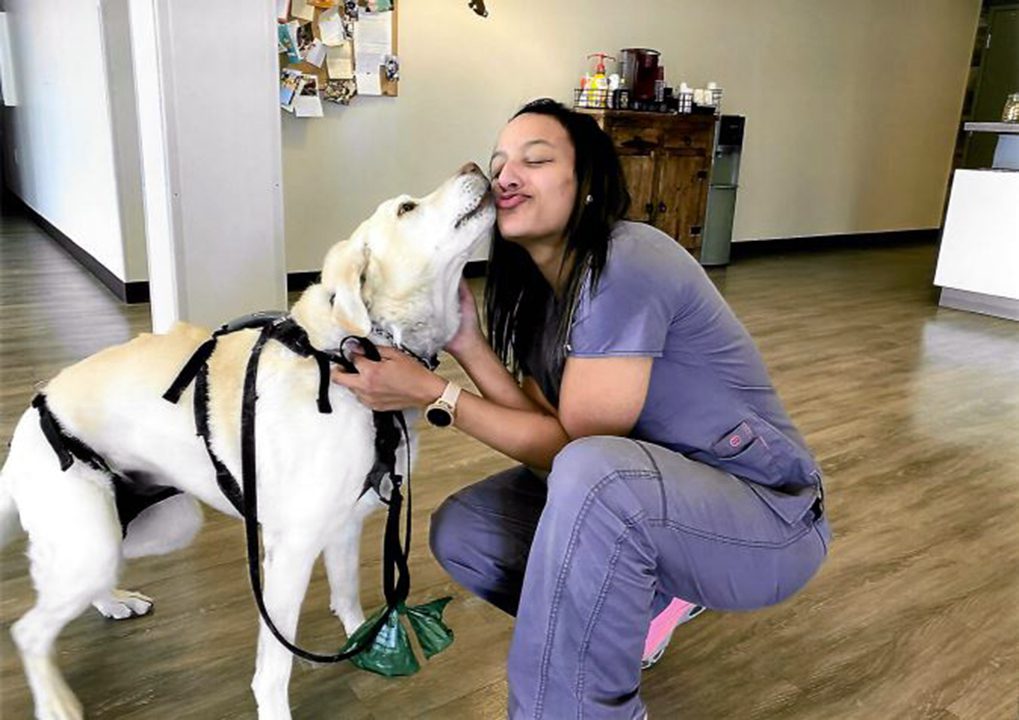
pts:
[390, 653]
[433, 634]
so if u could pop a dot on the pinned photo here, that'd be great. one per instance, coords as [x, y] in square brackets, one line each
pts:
[291, 85]
[340, 92]
[305, 39]
[316, 53]
[308, 103]
[286, 37]
[391, 67]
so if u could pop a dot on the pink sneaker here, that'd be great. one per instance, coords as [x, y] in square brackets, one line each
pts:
[660, 632]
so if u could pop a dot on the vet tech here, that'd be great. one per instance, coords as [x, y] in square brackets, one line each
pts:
[611, 361]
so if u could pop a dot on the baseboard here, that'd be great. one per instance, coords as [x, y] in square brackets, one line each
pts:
[127, 292]
[809, 243]
[994, 305]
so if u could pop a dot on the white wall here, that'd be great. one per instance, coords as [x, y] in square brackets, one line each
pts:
[852, 110]
[59, 138]
[852, 106]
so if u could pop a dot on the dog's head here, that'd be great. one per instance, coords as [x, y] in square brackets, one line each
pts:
[400, 269]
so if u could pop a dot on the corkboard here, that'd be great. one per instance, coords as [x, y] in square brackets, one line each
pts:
[390, 88]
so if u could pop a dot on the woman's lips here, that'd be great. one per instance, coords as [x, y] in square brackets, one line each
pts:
[507, 202]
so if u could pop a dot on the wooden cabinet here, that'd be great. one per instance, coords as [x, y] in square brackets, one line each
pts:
[666, 159]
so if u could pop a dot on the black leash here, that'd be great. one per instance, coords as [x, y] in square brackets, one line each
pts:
[390, 427]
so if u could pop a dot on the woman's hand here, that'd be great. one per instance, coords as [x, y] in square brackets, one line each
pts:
[468, 335]
[395, 382]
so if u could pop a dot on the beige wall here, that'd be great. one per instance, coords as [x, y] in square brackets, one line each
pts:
[852, 107]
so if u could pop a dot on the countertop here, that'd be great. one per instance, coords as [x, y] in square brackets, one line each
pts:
[992, 127]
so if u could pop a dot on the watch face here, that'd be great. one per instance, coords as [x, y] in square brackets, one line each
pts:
[440, 417]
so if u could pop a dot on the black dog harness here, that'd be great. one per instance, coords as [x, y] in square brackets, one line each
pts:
[131, 496]
[390, 428]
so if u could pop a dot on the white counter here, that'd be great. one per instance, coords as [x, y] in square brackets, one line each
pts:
[1006, 151]
[978, 263]
[992, 127]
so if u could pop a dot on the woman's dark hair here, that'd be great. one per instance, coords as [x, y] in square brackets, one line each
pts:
[516, 294]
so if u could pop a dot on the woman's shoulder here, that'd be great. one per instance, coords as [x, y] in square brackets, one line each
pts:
[639, 253]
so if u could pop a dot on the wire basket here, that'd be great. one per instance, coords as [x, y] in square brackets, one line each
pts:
[592, 98]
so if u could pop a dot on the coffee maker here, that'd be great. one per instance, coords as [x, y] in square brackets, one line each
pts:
[640, 70]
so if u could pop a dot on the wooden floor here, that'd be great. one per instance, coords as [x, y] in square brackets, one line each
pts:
[912, 410]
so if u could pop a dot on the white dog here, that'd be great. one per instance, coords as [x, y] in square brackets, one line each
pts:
[395, 280]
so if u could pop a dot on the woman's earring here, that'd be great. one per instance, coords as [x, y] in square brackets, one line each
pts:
[588, 200]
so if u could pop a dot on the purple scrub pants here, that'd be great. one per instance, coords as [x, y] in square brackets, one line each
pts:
[584, 559]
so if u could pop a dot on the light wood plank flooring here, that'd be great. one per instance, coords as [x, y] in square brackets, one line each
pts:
[912, 410]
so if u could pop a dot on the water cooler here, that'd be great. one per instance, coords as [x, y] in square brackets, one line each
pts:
[722, 188]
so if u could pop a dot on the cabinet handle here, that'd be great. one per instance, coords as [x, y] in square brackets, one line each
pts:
[648, 209]
[637, 144]
[661, 207]
[702, 174]
[695, 229]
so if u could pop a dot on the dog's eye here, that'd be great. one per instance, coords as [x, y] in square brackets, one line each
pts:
[406, 207]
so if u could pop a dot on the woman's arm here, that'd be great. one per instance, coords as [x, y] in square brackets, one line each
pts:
[527, 432]
[531, 437]
[469, 348]
[600, 396]
[603, 395]
[493, 380]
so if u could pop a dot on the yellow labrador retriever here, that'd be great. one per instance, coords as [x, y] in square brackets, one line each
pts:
[394, 280]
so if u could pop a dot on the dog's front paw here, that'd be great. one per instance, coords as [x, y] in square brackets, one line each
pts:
[123, 604]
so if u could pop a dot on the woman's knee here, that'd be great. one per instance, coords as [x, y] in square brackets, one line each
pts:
[445, 534]
[584, 463]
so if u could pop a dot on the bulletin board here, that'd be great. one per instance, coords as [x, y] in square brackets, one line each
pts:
[335, 50]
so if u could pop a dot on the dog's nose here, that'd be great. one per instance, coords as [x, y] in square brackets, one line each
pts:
[471, 167]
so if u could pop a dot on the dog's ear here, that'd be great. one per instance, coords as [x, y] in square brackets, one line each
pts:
[342, 276]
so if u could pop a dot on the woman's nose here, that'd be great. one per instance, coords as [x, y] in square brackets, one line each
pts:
[507, 179]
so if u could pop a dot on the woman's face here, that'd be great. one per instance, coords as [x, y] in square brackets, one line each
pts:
[533, 179]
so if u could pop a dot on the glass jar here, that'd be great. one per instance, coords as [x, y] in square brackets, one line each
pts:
[1010, 113]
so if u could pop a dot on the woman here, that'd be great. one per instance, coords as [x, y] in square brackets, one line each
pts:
[674, 469]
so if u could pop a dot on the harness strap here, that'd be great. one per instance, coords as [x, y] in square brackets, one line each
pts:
[53, 433]
[196, 362]
[67, 447]
[285, 330]
[130, 498]
[224, 478]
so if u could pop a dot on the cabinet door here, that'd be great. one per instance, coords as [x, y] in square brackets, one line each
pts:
[640, 179]
[681, 197]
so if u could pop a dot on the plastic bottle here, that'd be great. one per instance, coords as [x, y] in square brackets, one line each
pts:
[685, 98]
[715, 96]
[660, 85]
[598, 88]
